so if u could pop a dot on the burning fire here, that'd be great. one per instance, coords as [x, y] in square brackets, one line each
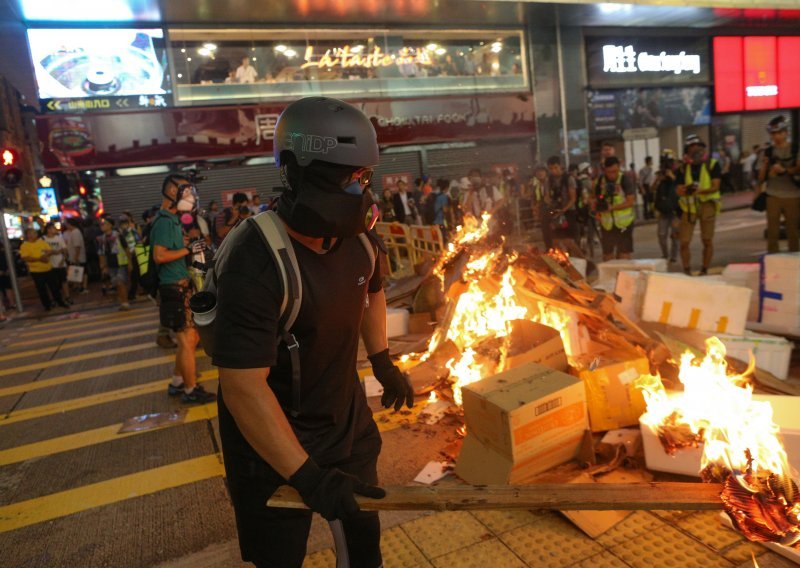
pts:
[740, 442]
[484, 311]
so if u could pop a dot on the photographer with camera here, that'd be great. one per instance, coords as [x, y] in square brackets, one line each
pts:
[780, 167]
[170, 249]
[699, 199]
[613, 201]
[666, 205]
[561, 199]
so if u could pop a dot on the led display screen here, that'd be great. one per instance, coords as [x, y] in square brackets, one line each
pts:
[756, 73]
[81, 70]
[90, 10]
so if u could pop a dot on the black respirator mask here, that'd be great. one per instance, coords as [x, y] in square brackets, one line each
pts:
[316, 203]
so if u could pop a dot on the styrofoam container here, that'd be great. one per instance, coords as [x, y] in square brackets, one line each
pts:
[772, 353]
[630, 288]
[580, 264]
[749, 276]
[688, 461]
[780, 304]
[396, 322]
[607, 271]
[695, 303]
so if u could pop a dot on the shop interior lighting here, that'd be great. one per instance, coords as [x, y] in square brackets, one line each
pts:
[180, 75]
[210, 46]
[290, 53]
[440, 51]
[254, 58]
[205, 52]
[431, 47]
[357, 48]
[188, 59]
[613, 8]
[495, 65]
[497, 47]
[280, 48]
[183, 50]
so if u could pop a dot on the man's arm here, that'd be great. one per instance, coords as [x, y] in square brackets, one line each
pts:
[260, 418]
[162, 254]
[373, 324]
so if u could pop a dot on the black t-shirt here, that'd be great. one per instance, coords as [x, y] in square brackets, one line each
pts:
[249, 293]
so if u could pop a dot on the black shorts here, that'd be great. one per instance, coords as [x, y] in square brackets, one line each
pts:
[173, 306]
[60, 274]
[617, 241]
[271, 537]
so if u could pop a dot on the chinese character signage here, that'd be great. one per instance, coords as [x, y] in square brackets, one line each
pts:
[627, 62]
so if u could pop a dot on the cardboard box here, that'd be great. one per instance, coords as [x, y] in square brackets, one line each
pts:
[695, 303]
[747, 275]
[630, 288]
[531, 342]
[611, 396]
[521, 422]
[396, 322]
[688, 461]
[780, 292]
[421, 322]
[607, 271]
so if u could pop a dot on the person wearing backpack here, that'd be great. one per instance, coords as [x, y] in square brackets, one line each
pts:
[291, 408]
[779, 168]
[168, 251]
[665, 198]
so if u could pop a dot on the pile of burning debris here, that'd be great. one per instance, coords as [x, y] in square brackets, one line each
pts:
[491, 292]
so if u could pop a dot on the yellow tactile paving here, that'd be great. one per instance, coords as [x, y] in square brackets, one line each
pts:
[667, 548]
[92, 317]
[481, 555]
[398, 551]
[107, 323]
[604, 560]
[672, 516]
[551, 541]
[634, 525]
[322, 559]
[503, 521]
[59, 338]
[86, 342]
[91, 354]
[742, 552]
[442, 533]
[708, 529]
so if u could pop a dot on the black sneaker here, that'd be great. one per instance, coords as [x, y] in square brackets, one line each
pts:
[198, 396]
[704, 272]
[172, 390]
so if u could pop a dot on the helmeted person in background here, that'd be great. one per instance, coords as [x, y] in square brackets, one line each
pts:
[170, 250]
[699, 200]
[646, 179]
[229, 217]
[539, 188]
[779, 166]
[561, 202]
[115, 260]
[665, 203]
[313, 430]
[587, 226]
[613, 201]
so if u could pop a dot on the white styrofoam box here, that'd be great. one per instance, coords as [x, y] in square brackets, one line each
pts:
[780, 301]
[749, 276]
[607, 271]
[630, 288]
[772, 353]
[695, 303]
[580, 264]
[687, 461]
[396, 322]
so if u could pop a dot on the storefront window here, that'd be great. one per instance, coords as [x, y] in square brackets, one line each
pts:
[212, 66]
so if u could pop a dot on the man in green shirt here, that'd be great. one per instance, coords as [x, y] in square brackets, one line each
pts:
[170, 250]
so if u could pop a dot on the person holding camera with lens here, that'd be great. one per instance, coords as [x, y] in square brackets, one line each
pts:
[170, 250]
[780, 167]
[561, 201]
[698, 199]
[613, 202]
[291, 408]
[665, 201]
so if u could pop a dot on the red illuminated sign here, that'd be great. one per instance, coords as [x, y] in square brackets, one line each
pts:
[756, 73]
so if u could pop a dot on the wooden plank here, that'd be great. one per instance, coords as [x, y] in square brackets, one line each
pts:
[558, 496]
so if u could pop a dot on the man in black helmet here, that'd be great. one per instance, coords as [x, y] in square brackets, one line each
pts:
[315, 432]
[778, 168]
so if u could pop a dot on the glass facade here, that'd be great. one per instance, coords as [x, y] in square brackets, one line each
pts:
[240, 66]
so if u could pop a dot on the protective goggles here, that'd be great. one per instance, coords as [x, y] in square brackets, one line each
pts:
[358, 181]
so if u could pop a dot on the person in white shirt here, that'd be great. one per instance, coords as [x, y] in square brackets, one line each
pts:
[246, 73]
[58, 260]
[76, 250]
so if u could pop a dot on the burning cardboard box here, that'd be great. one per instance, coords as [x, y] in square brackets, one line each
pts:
[521, 422]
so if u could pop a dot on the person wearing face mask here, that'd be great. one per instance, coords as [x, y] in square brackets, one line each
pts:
[312, 429]
[170, 252]
[699, 200]
[778, 169]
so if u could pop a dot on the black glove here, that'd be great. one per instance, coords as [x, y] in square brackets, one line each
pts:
[330, 491]
[396, 386]
[196, 247]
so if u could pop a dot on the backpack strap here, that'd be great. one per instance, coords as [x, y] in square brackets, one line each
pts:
[277, 241]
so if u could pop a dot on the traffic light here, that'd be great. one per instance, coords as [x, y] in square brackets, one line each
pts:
[11, 174]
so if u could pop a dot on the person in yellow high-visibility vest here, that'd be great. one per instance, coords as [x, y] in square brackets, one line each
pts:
[699, 200]
[612, 202]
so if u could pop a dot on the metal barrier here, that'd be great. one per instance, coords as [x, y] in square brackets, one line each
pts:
[397, 238]
[426, 240]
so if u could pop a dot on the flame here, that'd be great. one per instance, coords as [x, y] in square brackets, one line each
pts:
[465, 371]
[718, 409]
[433, 398]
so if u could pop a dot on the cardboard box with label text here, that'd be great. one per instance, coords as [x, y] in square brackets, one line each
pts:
[521, 422]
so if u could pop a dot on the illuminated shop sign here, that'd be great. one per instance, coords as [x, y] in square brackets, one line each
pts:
[630, 62]
[347, 57]
[756, 73]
